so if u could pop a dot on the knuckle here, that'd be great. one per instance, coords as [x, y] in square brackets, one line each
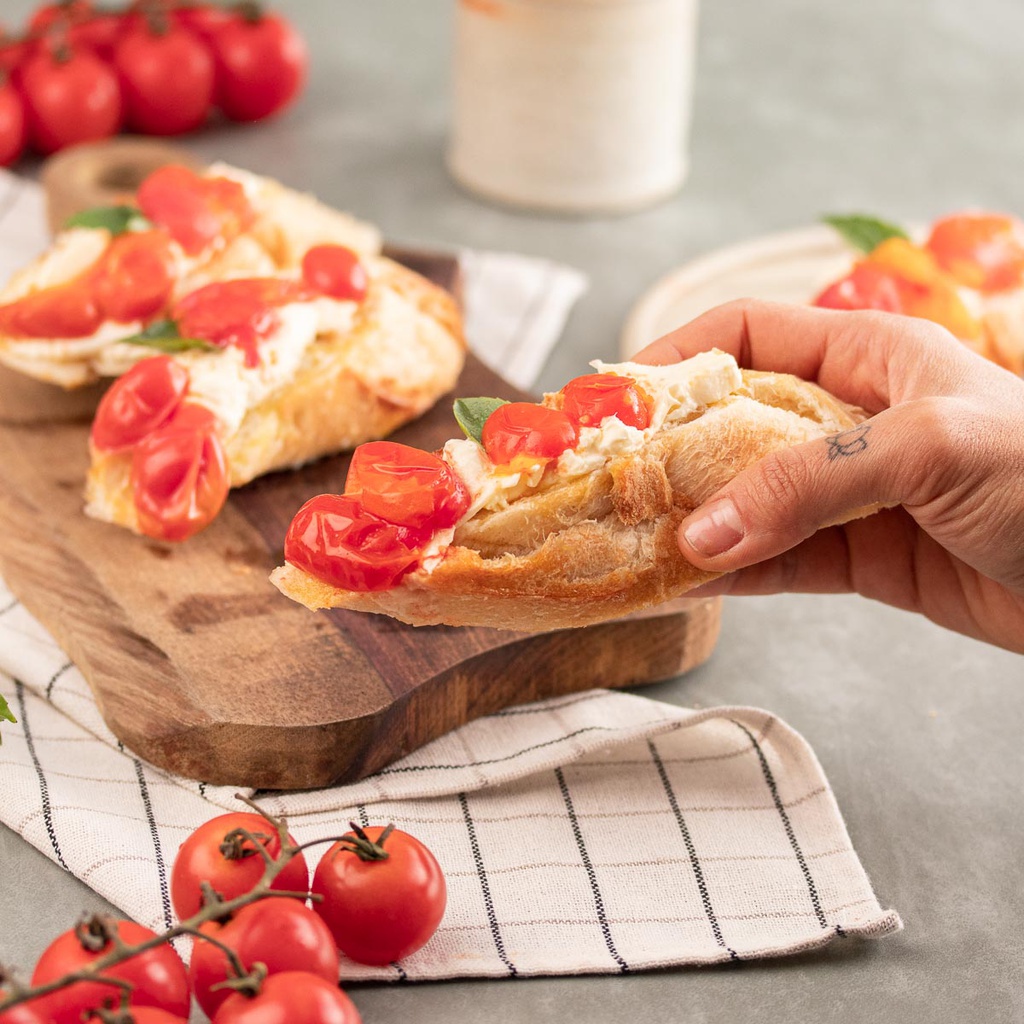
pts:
[780, 480]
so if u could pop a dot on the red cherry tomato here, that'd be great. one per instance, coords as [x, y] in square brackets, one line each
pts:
[65, 311]
[406, 486]
[589, 399]
[70, 96]
[157, 976]
[152, 1015]
[261, 62]
[335, 539]
[194, 209]
[282, 934]
[294, 997]
[139, 402]
[336, 271]
[136, 276]
[32, 1012]
[980, 250]
[166, 79]
[200, 859]
[866, 287]
[203, 19]
[71, 12]
[99, 33]
[180, 475]
[13, 132]
[522, 428]
[380, 910]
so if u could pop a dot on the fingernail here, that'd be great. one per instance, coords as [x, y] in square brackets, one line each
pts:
[717, 530]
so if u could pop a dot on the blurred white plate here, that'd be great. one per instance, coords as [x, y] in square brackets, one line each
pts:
[792, 266]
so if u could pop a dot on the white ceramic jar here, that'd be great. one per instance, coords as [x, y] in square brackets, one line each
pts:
[577, 106]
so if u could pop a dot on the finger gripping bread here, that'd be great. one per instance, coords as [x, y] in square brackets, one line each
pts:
[573, 550]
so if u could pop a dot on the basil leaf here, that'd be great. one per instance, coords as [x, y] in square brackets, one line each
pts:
[864, 233]
[116, 219]
[163, 336]
[471, 414]
[5, 712]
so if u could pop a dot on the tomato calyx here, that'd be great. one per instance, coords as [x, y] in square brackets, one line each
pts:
[240, 843]
[95, 932]
[248, 983]
[365, 848]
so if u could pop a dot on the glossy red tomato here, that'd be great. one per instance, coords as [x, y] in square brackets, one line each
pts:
[32, 1012]
[64, 311]
[406, 486]
[200, 859]
[980, 250]
[70, 96]
[13, 132]
[202, 18]
[380, 910]
[261, 62]
[136, 276]
[336, 271]
[282, 934]
[139, 402]
[866, 287]
[99, 33]
[522, 428]
[158, 976]
[166, 79]
[335, 539]
[68, 13]
[589, 399]
[196, 210]
[179, 475]
[294, 997]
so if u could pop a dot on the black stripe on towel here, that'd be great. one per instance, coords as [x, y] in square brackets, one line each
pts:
[165, 896]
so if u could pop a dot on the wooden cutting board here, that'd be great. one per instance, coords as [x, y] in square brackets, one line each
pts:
[200, 666]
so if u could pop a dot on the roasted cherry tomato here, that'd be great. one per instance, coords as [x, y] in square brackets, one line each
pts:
[196, 210]
[336, 271]
[157, 976]
[135, 277]
[523, 428]
[65, 311]
[70, 96]
[282, 934]
[865, 287]
[383, 894]
[180, 475]
[406, 486]
[335, 539]
[589, 399]
[139, 402]
[294, 997]
[202, 859]
[167, 78]
[13, 132]
[980, 250]
[261, 64]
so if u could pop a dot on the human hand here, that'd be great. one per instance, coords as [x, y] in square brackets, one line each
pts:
[944, 446]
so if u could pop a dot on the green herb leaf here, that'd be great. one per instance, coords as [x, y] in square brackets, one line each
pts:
[116, 219]
[5, 712]
[163, 336]
[471, 414]
[862, 232]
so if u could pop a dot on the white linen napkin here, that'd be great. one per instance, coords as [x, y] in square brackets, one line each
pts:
[600, 832]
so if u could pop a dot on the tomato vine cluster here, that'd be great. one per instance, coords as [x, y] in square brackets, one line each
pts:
[81, 72]
[239, 886]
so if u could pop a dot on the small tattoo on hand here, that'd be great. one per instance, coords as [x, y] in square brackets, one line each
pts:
[849, 442]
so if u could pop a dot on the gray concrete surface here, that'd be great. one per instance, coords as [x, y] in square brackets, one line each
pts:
[908, 109]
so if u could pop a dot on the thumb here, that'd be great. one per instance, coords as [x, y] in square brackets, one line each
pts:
[790, 494]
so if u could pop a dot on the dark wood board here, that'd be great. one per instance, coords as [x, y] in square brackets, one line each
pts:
[199, 665]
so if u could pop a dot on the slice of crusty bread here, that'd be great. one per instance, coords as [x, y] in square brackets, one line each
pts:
[603, 545]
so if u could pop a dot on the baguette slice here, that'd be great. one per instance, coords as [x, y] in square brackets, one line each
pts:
[579, 549]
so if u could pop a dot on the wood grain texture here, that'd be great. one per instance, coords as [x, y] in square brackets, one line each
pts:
[201, 667]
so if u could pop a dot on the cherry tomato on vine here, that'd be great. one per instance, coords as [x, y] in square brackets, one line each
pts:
[294, 997]
[138, 402]
[68, 13]
[406, 486]
[28, 1013]
[203, 19]
[13, 131]
[336, 271]
[261, 63]
[980, 250]
[589, 399]
[383, 893]
[99, 33]
[179, 475]
[70, 96]
[167, 76]
[157, 976]
[282, 934]
[865, 287]
[201, 859]
[335, 539]
[523, 428]
[136, 276]
[152, 1015]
